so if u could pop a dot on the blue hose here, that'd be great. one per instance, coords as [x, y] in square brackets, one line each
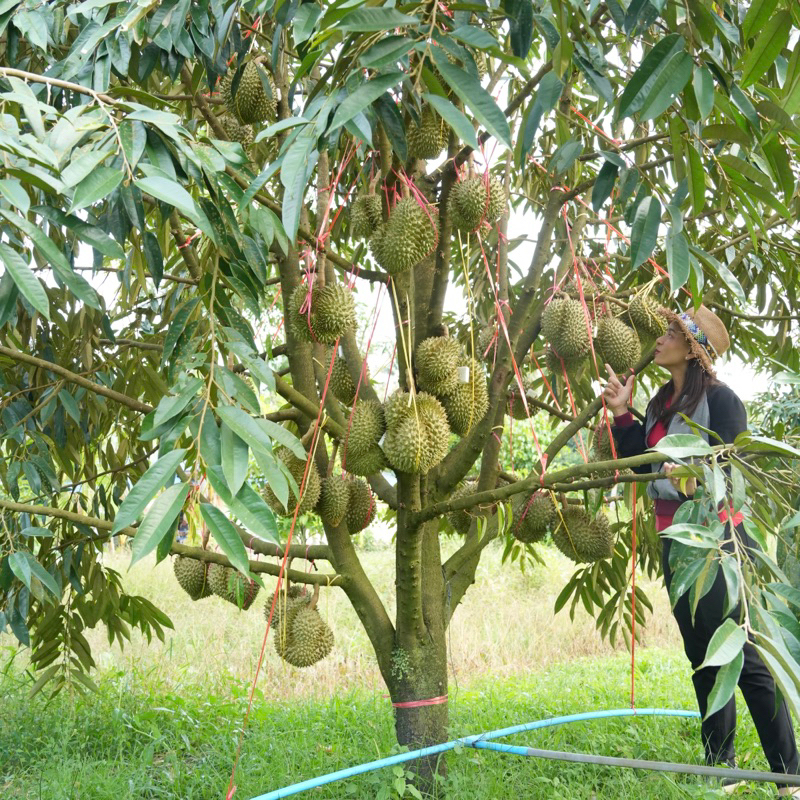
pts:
[468, 741]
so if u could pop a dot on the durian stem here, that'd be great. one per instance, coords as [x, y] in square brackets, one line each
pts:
[314, 597]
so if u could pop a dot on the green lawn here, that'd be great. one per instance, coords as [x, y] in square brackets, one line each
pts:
[139, 739]
[165, 722]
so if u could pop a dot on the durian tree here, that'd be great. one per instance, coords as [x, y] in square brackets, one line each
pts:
[192, 196]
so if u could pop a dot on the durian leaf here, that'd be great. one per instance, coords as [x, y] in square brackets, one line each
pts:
[604, 184]
[30, 287]
[226, 536]
[642, 80]
[171, 405]
[146, 488]
[172, 193]
[97, 185]
[365, 95]
[247, 428]
[277, 479]
[375, 19]
[158, 521]
[772, 39]
[667, 86]
[677, 259]
[645, 230]
[235, 453]
[725, 684]
[475, 97]
[247, 505]
[682, 445]
[454, 118]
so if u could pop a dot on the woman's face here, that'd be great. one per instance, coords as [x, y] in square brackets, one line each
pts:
[671, 348]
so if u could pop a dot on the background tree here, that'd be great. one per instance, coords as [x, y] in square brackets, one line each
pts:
[238, 171]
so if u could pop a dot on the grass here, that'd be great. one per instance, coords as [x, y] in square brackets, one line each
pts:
[165, 722]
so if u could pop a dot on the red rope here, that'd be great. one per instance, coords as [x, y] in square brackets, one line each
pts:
[314, 439]
[433, 701]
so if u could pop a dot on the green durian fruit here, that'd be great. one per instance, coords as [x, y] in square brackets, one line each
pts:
[564, 328]
[581, 538]
[360, 506]
[617, 345]
[407, 237]
[533, 516]
[229, 584]
[192, 576]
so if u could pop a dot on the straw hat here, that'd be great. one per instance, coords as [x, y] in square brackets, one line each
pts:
[704, 330]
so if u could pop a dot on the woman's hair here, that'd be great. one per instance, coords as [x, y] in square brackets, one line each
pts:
[696, 382]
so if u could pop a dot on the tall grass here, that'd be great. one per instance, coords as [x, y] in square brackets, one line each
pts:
[165, 723]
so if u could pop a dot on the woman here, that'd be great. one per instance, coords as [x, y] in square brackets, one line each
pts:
[692, 341]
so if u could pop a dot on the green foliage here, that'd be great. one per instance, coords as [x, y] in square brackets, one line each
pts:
[118, 168]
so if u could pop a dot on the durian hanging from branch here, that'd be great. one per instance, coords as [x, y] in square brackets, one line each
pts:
[409, 235]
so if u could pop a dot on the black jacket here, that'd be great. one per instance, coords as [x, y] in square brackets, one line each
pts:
[728, 420]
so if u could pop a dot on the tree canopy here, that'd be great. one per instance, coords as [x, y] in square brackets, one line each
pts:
[192, 195]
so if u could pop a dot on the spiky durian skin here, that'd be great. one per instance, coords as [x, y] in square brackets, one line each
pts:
[251, 103]
[297, 468]
[421, 438]
[192, 576]
[428, 137]
[533, 516]
[229, 584]
[407, 237]
[437, 360]
[396, 408]
[333, 312]
[581, 538]
[364, 428]
[564, 328]
[341, 383]
[333, 498]
[617, 345]
[516, 407]
[476, 200]
[601, 446]
[237, 132]
[462, 519]
[285, 600]
[324, 316]
[360, 506]
[557, 365]
[646, 317]
[309, 640]
[301, 324]
[283, 618]
[467, 404]
[366, 464]
[365, 215]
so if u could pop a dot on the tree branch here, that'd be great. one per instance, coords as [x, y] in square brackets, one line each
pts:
[293, 575]
[118, 397]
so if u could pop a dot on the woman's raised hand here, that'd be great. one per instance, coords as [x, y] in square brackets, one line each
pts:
[616, 393]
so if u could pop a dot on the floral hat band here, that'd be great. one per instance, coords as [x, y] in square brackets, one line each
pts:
[697, 334]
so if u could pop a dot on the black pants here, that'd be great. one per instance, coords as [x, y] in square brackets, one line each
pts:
[757, 684]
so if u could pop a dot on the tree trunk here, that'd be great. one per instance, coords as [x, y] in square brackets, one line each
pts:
[422, 675]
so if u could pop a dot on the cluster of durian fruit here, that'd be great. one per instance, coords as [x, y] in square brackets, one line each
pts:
[578, 535]
[335, 498]
[618, 340]
[300, 635]
[201, 579]
[253, 102]
[410, 432]
[411, 231]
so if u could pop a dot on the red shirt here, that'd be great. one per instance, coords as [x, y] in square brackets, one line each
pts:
[665, 509]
